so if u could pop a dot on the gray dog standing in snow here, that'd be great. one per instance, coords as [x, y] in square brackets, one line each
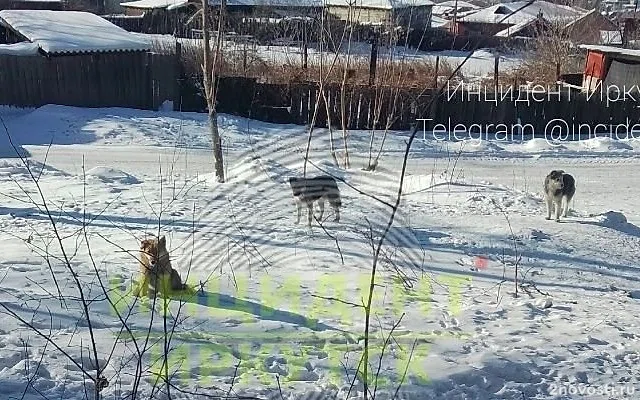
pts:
[558, 186]
[308, 190]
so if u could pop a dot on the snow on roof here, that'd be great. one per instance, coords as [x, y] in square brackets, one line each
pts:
[448, 7]
[70, 31]
[384, 4]
[153, 4]
[461, 4]
[381, 4]
[611, 50]
[513, 29]
[521, 11]
[438, 22]
[272, 3]
[19, 49]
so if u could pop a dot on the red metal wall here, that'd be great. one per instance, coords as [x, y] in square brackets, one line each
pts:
[595, 65]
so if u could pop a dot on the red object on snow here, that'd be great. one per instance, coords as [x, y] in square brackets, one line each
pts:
[481, 263]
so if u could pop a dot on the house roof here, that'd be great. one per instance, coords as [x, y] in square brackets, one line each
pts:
[520, 12]
[60, 32]
[513, 30]
[611, 50]
[381, 4]
[438, 22]
[447, 7]
[461, 4]
[153, 4]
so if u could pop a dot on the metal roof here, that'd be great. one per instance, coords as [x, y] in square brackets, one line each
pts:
[69, 32]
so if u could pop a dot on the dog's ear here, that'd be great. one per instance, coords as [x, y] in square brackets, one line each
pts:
[162, 241]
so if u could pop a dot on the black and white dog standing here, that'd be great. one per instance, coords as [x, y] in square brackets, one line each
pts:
[558, 186]
[319, 188]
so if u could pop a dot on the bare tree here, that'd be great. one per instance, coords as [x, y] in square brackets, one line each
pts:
[553, 49]
[210, 75]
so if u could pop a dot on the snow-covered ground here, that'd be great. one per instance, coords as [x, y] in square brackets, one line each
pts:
[277, 315]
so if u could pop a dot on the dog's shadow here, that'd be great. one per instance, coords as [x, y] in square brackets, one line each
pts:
[611, 220]
[225, 302]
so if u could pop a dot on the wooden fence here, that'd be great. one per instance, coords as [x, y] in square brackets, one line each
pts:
[550, 112]
[145, 80]
[123, 79]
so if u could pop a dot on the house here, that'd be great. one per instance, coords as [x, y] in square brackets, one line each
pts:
[140, 7]
[629, 27]
[32, 4]
[527, 19]
[611, 67]
[412, 14]
[156, 16]
[263, 8]
[516, 15]
[79, 59]
[66, 32]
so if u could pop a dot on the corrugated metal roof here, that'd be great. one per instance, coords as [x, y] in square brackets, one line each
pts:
[68, 32]
[611, 50]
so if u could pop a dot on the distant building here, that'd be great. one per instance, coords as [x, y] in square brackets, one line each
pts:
[528, 19]
[178, 16]
[414, 14]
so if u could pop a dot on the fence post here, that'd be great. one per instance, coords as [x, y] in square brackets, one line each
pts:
[374, 59]
[177, 78]
[304, 45]
[435, 75]
[148, 101]
[496, 66]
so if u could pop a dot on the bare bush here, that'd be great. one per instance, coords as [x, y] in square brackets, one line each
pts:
[249, 60]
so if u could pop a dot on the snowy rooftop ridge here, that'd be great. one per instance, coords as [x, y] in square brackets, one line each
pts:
[611, 50]
[59, 32]
[380, 4]
[156, 4]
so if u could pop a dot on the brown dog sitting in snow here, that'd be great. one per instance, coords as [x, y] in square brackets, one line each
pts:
[156, 272]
